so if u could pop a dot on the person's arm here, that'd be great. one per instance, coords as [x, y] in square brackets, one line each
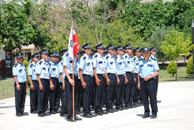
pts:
[62, 80]
[82, 78]
[14, 71]
[30, 77]
[31, 84]
[39, 82]
[152, 75]
[71, 81]
[17, 83]
[107, 79]
[38, 71]
[96, 77]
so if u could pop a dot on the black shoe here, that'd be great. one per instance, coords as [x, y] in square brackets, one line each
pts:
[47, 113]
[19, 115]
[41, 114]
[70, 118]
[53, 112]
[104, 112]
[63, 115]
[146, 115]
[77, 118]
[130, 106]
[153, 116]
[33, 112]
[99, 113]
[57, 111]
[110, 111]
[87, 115]
[25, 113]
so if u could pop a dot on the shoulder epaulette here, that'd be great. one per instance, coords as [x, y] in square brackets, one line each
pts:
[40, 62]
[95, 56]
[153, 58]
[31, 65]
[15, 65]
[107, 57]
[84, 58]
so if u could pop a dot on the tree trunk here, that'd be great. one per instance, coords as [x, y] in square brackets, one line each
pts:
[176, 70]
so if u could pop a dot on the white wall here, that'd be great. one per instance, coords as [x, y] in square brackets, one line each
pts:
[2, 54]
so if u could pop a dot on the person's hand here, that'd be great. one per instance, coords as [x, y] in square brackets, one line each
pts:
[118, 81]
[31, 87]
[97, 81]
[84, 84]
[72, 82]
[41, 87]
[108, 81]
[52, 87]
[63, 87]
[18, 87]
[138, 86]
[146, 78]
[126, 80]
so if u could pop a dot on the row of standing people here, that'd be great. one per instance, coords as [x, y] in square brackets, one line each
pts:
[111, 79]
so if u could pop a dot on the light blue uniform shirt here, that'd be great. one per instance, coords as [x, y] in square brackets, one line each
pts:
[147, 68]
[99, 63]
[129, 63]
[110, 64]
[136, 62]
[67, 61]
[153, 58]
[19, 71]
[53, 69]
[86, 64]
[120, 64]
[31, 70]
[61, 70]
[42, 68]
[76, 66]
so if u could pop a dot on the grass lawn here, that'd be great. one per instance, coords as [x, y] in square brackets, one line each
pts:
[181, 76]
[6, 88]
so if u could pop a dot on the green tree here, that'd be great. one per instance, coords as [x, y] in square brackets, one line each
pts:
[172, 68]
[15, 29]
[174, 45]
[189, 69]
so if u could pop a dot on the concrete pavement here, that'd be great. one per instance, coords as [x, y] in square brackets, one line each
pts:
[176, 112]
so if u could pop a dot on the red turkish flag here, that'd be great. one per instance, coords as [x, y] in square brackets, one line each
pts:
[74, 45]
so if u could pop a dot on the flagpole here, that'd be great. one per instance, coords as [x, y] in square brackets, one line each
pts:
[73, 89]
[73, 93]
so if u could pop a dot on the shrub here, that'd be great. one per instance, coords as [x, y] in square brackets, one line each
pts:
[172, 68]
[190, 65]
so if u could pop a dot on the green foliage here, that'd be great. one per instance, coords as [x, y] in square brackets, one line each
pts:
[172, 68]
[165, 25]
[15, 28]
[174, 44]
[189, 69]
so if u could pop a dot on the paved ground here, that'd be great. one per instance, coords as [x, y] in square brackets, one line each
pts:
[176, 112]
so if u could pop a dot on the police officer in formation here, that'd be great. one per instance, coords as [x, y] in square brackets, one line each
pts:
[43, 77]
[148, 71]
[33, 83]
[54, 71]
[103, 81]
[19, 74]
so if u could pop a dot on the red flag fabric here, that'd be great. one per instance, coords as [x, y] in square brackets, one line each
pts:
[74, 45]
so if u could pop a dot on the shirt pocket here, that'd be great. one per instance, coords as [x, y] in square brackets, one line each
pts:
[150, 65]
